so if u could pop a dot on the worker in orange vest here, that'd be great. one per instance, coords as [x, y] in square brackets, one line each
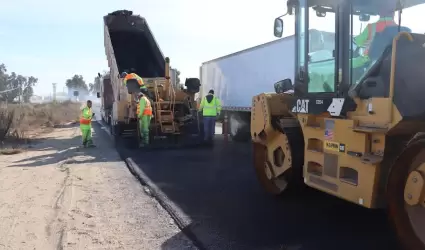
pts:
[127, 77]
[144, 113]
[85, 124]
[386, 19]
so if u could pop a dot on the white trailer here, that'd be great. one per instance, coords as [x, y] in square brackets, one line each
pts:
[237, 77]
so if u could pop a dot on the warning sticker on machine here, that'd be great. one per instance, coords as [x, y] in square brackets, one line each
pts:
[334, 146]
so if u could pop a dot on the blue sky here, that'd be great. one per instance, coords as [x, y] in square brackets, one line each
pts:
[53, 40]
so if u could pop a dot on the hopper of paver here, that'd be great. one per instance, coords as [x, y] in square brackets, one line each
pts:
[135, 49]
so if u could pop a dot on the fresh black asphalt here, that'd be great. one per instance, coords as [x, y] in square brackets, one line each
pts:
[216, 193]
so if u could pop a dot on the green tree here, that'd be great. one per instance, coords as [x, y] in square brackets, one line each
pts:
[76, 82]
[2, 71]
[3, 78]
[13, 86]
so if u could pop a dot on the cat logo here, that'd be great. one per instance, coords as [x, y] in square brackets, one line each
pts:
[334, 146]
[302, 106]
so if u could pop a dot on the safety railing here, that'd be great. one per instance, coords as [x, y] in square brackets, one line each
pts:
[393, 69]
[172, 95]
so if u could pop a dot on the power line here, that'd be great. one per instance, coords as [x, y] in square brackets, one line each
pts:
[4, 91]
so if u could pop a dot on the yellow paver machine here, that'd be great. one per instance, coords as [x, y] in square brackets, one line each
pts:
[131, 47]
[351, 121]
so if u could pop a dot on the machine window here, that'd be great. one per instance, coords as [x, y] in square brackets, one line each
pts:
[410, 17]
[367, 46]
[321, 61]
[363, 28]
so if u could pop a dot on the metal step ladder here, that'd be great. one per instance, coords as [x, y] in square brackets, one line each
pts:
[164, 112]
[166, 121]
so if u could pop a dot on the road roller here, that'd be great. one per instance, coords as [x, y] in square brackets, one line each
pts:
[351, 121]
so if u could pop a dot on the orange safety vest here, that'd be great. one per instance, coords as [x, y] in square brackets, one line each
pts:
[379, 26]
[136, 77]
[148, 107]
[84, 120]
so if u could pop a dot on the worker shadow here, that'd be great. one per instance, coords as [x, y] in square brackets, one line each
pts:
[55, 148]
[217, 193]
[67, 125]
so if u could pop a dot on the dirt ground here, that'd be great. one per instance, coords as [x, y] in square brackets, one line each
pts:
[57, 195]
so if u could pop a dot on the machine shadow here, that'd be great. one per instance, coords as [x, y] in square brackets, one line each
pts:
[180, 241]
[216, 191]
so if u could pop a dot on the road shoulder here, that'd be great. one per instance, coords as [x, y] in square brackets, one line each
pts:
[57, 195]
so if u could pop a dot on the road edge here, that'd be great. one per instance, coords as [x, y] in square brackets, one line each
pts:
[164, 201]
[155, 192]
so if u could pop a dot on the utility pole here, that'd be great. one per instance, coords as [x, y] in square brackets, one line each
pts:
[21, 95]
[54, 91]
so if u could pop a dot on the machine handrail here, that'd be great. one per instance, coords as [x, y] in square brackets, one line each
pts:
[157, 103]
[392, 76]
[172, 93]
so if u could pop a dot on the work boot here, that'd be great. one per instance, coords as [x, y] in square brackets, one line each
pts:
[207, 142]
[90, 144]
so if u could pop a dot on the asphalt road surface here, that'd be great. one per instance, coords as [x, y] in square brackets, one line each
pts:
[216, 193]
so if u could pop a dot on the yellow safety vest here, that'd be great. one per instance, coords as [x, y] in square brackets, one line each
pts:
[85, 118]
[210, 108]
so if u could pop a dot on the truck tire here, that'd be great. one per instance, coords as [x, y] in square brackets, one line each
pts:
[406, 218]
[239, 128]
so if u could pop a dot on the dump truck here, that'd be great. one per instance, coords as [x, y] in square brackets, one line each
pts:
[131, 47]
[236, 77]
[351, 124]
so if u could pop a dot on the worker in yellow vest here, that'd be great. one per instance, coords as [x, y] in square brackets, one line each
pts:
[144, 113]
[85, 124]
[130, 76]
[211, 108]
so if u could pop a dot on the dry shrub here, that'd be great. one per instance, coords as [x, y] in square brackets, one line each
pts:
[52, 114]
[10, 151]
[6, 120]
[16, 120]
